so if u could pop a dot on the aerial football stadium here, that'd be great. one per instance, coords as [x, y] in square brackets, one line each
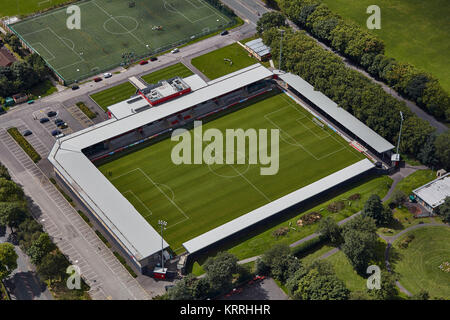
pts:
[122, 171]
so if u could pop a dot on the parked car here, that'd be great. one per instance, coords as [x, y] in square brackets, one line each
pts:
[224, 33]
[58, 121]
[44, 120]
[27, 133]
[143, 62]
[175, 50]
[153, 58]
[98, 79]
[60, 135]
[107, 75]
[62, 125]
[56, 132]
[30, 102]
[75, 87]
[51, 114]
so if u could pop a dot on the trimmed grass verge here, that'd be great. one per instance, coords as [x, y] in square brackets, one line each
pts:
[215, 64]
[175, 70]
[84, 108]
[113, 95]
[124, 263]
[24, 144]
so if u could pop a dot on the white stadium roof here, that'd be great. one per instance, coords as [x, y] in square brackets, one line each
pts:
[435, 192]
[122, 219]
[276, 206]
[347, 120]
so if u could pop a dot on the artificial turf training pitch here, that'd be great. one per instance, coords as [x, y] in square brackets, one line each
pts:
[194, 199]
[110, 29]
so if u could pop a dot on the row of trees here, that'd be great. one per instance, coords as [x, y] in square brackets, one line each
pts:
[359, 95]
[222, 271]
[24, 74]
[316, 281]
[366, 50]
[50, 263]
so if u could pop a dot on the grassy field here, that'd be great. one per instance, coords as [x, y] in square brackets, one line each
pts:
[414, 31]
[113, 95]
[111, 30]
[344, 271]
[415, 180]
[214, 66]
[418, 264]
[175, 70]
[26, 7]
[194, 199]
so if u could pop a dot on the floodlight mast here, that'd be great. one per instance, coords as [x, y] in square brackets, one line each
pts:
[400, 133]
[162, 223]
[281, 47]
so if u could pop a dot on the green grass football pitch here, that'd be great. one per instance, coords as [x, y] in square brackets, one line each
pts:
[113, 95]
[194, 199]
[110, 29]
[176, 70]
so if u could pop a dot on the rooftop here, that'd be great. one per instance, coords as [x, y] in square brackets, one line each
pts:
[346, 119]
[435, 192]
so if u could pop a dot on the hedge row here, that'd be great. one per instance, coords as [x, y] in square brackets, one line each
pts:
[351, 90]
[122, 261]
[84, 108]
[366, 50]
[24, 144]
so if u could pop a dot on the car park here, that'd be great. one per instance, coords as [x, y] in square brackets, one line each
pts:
[153, 58]
[44, 120]
[107, 75]
[27, 133]
[51, 114]
[143, 62]
[56, 132]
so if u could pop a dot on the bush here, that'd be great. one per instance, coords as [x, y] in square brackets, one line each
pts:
[280, 232]
[405, 242]
[354, 197]
[309, 218]
[102, 237]
[336, 206]
[307, 246]
[84, 108]
[24, 144]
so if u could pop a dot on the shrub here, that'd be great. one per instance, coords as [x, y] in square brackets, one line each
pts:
[280, 232]
[309, 218]
[124, 263]
[102, 237]
[405, 242]
[354, 197]
[24, 144]
[336, 206]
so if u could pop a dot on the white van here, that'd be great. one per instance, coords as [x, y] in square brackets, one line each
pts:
[175, 50]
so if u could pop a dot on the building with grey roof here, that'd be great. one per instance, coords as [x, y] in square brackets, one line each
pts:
[433, 194]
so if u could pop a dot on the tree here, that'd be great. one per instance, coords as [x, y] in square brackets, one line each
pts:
[374, 209]
[8, 260]
[40, 248]
[329, 230]
[427, 154]
[388, 289]
[421, 295]
[10, 191]
[444, 210]
[12, 214]
[220, 270]
[201, 289]
[52, 266]
[182, 289]
[285, 266]
[398, 197]
[360, 241]
[442, 145]
[268, 20]
[4, 172]
[316, 286]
